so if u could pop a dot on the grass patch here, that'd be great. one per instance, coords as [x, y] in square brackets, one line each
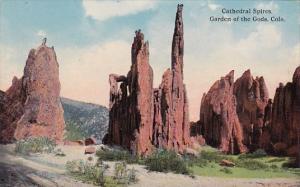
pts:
[226, 170]
[35, 145]
[215, 170]
[253, 165]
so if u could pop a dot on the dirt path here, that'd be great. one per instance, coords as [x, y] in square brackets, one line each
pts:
[48, 170]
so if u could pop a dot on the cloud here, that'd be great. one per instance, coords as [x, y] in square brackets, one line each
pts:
[264, 37]
[8, 66]
[41, 33]
[212, 50]
[103, 10]
[84, 71]
[271, 5]
[213, 6]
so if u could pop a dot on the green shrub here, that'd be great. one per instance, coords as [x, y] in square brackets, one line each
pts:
[73, 133]
[276, 160]
[87, 172]
[123, 175]
[120, 173]
[59, 152]
[212, 156]
[205, 157]
[251, 164]
[95, 174]
[35, 145]
[117, 155]
[165, 161]
[226, 170]
[132, 175]
[75, 166]
[256, 154]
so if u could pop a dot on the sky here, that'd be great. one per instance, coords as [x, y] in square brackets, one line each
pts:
[93, 39]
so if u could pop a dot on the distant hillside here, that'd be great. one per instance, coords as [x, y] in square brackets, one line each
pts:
[84, 119]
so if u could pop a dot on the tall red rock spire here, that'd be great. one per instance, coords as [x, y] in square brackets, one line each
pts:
[173, 101]
[33, 106]
[131, 102]
[142, 117]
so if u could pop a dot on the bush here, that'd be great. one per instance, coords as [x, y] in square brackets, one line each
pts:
[165, 161]
[73, 133]
[124, 175]
[276, 160]
[95, 174]
[205, 157]
[212, 156]
[35, 145]
[226, 170]
[251, 164]
[87, 172]
[120, 171]
[59, 152]
[117, 155]
[256, 154]
[132, 175]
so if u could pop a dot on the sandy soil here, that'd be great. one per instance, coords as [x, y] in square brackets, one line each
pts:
[48, 170]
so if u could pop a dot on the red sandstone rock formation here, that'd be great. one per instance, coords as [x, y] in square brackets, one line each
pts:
[218, 116]
[32, 104]
[171, 105]
[131, 105]
[252, 98]
[285, 127]
[142, 117]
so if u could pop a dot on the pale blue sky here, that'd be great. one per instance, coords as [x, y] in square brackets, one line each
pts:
[93, 39]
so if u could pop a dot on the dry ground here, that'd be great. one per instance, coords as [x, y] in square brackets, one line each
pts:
[48, 170]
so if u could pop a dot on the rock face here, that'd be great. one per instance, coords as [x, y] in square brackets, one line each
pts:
[32, 106]
[286, 113]
[221, 125]
[252, 98]
[131, 103]
[141, 117]
[171, 104]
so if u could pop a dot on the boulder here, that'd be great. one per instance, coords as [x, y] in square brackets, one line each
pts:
[227, 163]
[280, 148]
[293, 151]
[90, 150]
[90, 141]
